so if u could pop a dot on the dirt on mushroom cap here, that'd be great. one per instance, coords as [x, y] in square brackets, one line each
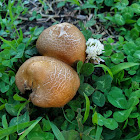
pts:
[63, 41]
[53, 82]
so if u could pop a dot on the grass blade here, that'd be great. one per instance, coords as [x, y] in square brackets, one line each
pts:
[105, 68]
[121, 66]
[10, 11]
[74, 2]
[30, 128]
[23, 105]
[4, 121]
[98, 132]
[5, 124]
[79, 66]
[8, 42]
[12, 129]
[67, 118]
[2, 106]
[56, 131]
[19, 98]
[87, 108]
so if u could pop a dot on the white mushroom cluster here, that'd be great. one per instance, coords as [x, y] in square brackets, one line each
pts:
[94, 49]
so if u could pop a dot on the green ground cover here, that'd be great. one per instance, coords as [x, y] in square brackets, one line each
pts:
[106, 106]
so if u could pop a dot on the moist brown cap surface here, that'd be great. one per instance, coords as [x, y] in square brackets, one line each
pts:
[53, 83]
[63, 41]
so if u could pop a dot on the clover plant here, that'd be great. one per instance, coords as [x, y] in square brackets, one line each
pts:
[106, 106]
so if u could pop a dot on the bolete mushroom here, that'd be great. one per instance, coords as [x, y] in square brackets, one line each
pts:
[63, 41]
[53, 83]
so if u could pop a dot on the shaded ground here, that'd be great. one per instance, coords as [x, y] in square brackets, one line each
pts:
[48, 14]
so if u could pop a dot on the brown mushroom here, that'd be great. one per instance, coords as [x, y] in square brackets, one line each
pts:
[63, 41]
[53, 83]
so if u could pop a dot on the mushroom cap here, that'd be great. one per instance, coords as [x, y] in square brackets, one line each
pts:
[53, 83]
[63, 41]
